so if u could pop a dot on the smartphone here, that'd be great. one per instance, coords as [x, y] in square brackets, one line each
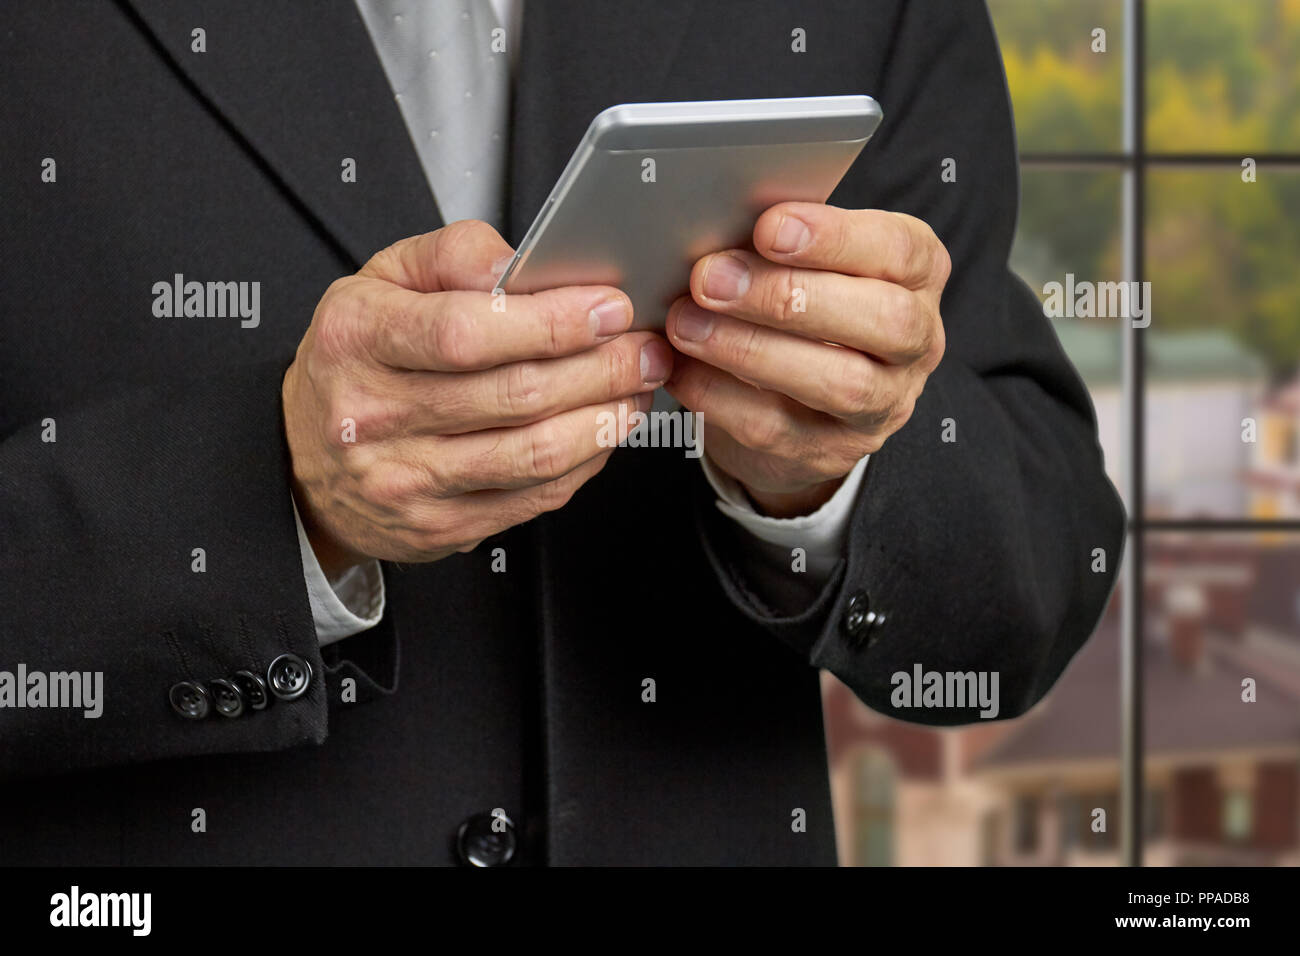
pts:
[652, 187]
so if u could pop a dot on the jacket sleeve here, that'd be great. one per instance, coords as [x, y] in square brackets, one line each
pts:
[978, 552]
[152, 542]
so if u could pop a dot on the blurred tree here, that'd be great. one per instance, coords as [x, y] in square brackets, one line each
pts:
[1222, 76]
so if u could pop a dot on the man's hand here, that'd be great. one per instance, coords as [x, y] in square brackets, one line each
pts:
[420, 421]
[806, 356]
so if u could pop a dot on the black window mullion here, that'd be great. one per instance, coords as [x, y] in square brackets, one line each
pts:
[1131, 808]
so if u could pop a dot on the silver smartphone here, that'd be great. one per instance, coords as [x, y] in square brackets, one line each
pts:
[652, 187]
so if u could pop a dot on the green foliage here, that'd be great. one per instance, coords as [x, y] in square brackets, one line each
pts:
[1226, 254]
[1066, 97]
[1223, 76]
[1069, 222]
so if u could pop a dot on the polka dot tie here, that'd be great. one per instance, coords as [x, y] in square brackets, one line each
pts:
[449, 66]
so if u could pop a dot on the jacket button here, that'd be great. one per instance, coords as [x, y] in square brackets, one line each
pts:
[226, 697]
[190, 699]
[486, 840]
[253, 688]
[288, 676]
[859, 620]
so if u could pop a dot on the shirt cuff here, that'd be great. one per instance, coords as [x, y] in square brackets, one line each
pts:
[821, 534]
[350, 604]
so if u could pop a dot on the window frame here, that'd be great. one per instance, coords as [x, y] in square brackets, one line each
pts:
[1133, 161]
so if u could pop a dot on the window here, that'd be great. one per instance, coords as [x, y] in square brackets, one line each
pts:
[991, 838]
[1072, 822]
[874, 810]
[1154, 808]
[1160, 143]
[1026, 824]
[1237, 815]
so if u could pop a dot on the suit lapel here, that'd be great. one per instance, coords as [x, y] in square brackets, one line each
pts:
[302, 86]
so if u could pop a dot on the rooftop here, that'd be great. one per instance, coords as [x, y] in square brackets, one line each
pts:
[1185, 712]
[1203, 355]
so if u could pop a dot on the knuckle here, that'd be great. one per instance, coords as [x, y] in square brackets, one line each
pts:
[337, 326]
[847, 457]
[694, 387]
[834, 237]
[386, 486]
[780, 291]
[851, 390]
[763, 431]
[454, 341]
[554, 495]
[826, 463]
[747, 345]
[544, 452]
[435, 475]
[869, 444]
[339, 425]
[912, 321]
[902, 247]
[621, 365]
[879, 416]
[424, 539]
[459, 235]
[548, 317]
[356, 417]
[521, 389]
[458, 534]
[381, 263]
[699, 388]
[555, 333]
[943, 262]
[938, 344]
[439, 529]
[836, 459]
[561, 321]
[930, 252]
[903, 413]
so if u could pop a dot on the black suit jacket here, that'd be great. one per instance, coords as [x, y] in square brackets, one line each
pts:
[480, 690]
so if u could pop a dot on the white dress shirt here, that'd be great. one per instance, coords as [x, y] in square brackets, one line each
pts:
[354, 601]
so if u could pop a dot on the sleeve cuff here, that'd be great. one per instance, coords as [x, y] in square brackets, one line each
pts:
[352, 603]
[821, 534]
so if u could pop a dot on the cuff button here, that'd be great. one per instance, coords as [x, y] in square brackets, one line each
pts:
[288, 676]
[486, 840]
[190, 699]
[253, 688]
[860, 622]
[226, 697]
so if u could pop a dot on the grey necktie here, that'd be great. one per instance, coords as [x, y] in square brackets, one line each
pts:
[451, 76]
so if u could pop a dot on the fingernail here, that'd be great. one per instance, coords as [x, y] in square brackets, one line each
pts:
[610, 318]
[499, 266]
[693, 323]
[791, 235]
[656, 362]
[727, 278]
